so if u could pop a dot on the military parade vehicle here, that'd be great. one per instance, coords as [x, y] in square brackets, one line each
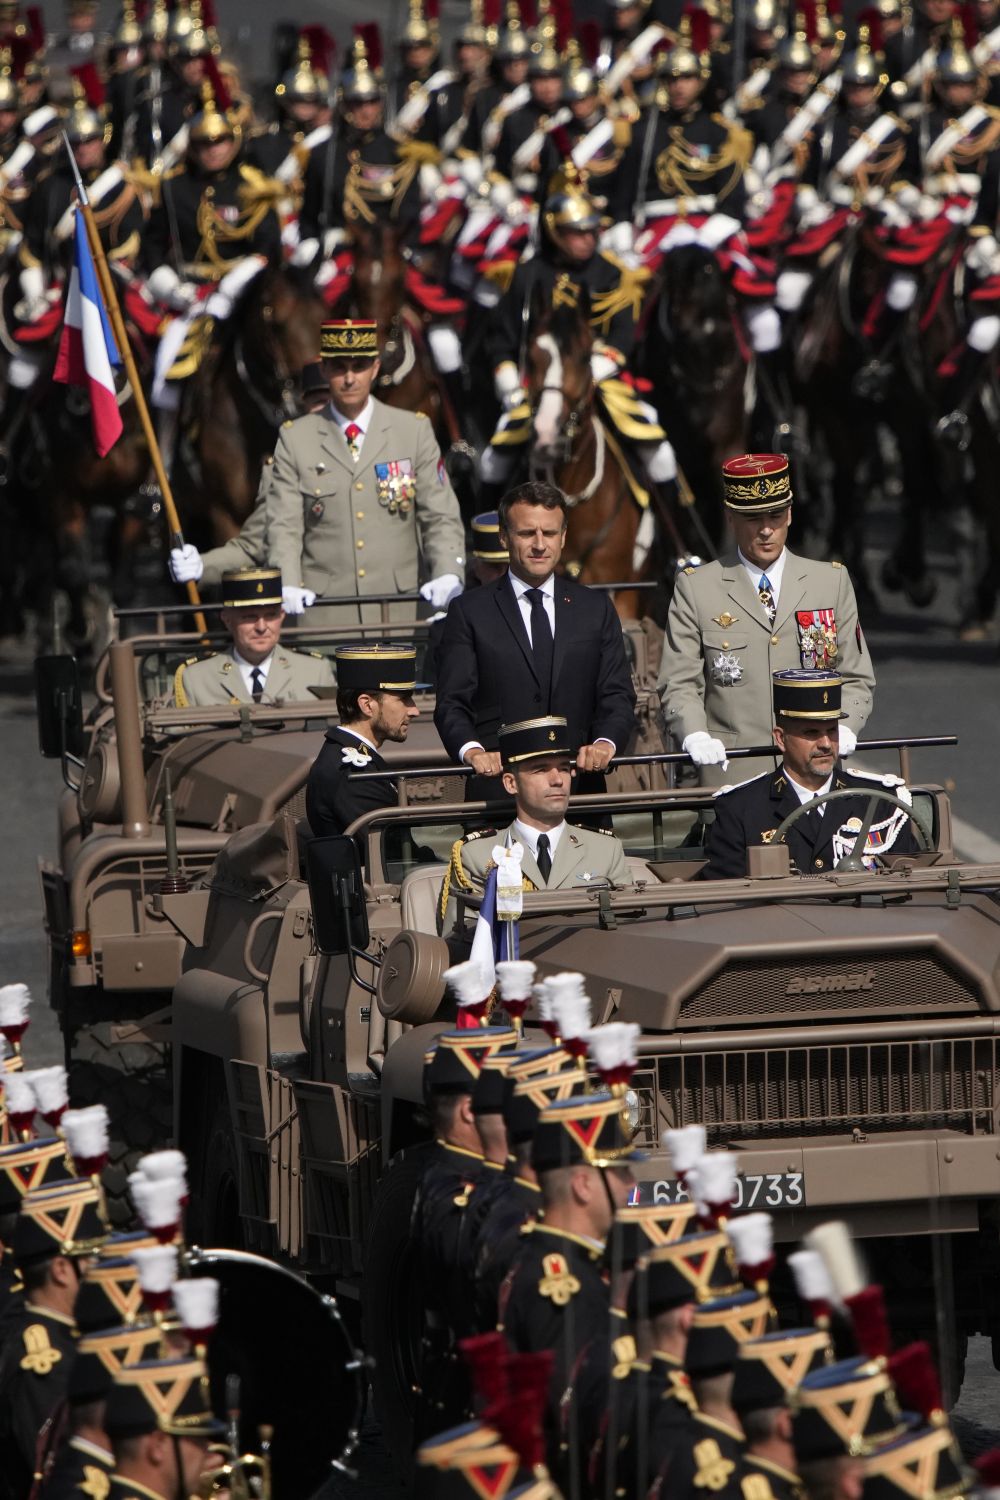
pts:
[152, 795]
[839, 1030]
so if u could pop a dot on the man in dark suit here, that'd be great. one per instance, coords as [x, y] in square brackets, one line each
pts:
[374, 703]
[807, 712]
[532, 644]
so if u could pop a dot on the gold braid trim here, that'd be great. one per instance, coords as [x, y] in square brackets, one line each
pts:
[258, 194]
[682, 174]
[111, 217]
[972, 147]
[196, 345]
[180, 696]
[454, 867]
[625, 411]
[629, 293]
[359, 194]
[421, 152]
[639, 495]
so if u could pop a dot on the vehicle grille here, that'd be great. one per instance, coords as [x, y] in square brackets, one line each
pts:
[757, 989]
[795, 1091]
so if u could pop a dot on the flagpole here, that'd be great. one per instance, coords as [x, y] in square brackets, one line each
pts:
[125, 350]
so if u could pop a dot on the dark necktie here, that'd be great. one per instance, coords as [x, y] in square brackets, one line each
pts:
[257, 684]
[541, 642]
[543, 859]
[766, 598]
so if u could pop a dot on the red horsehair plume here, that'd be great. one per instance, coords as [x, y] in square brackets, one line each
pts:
[486, 1357]
[492, 13]
[22, 51]
[36, 28]
[220, 88]
[915, 1377]
[432, 10]
[89, 80]
[870, 1321]
[807, 10]
[322, 47]
[560, 139]
[529, 14]
[209, 19]
[701, 28]
[970, 24]
[562, 12]
[369, 33]
[873, 21]
[835, 11]
[588, 34]
[518, 1420]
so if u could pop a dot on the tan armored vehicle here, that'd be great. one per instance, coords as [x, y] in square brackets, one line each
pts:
[839, 1030]
[114, 957]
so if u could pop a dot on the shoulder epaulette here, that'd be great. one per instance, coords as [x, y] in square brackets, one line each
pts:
[40, 1356]
[287, 422]
[480, 833]
[836, 564]
[318, 654]
[608, 832]
[690, 570]
[421, 415]
[734, 786]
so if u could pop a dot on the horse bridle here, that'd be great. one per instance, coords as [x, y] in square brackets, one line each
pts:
[570, 429]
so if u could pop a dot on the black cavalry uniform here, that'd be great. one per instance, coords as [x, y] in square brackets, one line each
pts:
[751, 813]
[34, 1372]
[519, 125]
[547, 281]
[369, 180]
[693, 153]
[706, 1457]
[333, 800]
[48, 227]
[218, 219]
[161, 114]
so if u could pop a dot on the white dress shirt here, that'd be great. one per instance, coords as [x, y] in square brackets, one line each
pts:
[362, 420]
[248, 668]
[368, 744]
[806, 794]
[772, 573]
[529, 837]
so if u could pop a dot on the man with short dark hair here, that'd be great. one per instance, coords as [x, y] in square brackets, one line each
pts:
[375, 686]
[161, 1428]
[532, 644]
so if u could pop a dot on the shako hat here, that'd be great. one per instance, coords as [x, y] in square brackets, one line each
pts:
[531, 737]
[109, 1294]
[771, 1366]
[456, 1062]
[641, 1227]
[100, 1356]
[925, 1462]
[757, 482]
[377, 668]
[590, 1130]
[162, 1395]
[801, 693]
[847, 1408]
[695, 1268]
[534, 1090]
[25, 1168]
[251, 586]
[486, 543]
[342, 338]
[64, 1219]
[720, 1329]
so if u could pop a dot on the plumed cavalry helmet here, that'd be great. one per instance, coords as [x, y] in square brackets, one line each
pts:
[305, 83]
[567, 210]
[797, 52]
[690, 56]
[9, 98]
[362, 81]
[579, 80]
[420, 30]
[955, 63]
[865, 65]
[514, 41]
[212, 124]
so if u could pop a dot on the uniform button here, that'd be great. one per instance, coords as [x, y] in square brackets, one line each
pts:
[725, 645]
[361, 572]
[361, 544]
[360, 515]
[210, 192]
[315, 492]
[818, 863]
[359, 485]
[774, 640]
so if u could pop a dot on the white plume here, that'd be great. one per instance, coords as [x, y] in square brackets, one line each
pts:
[14, 1002]
[752, 1236]
[197, 1301]
[614, 1045]
[158, 1200]
[157, 1267]
[833, 1242]
[812, 1279]
[51, 1092]
[20, 1094]
[468, 982]
[164, 1164]
[685, 1147]
[716, 1177]
[570, 1005]
[86, 1131]
[515, 976]
[543, 1000]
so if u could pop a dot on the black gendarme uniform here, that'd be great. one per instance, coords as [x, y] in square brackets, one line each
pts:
[694, 153]
[518, 127]
[446, 117]
[603, 167]
[333, 800]
[499, 1239]
[556, 1297]
[893, 162]
[34, 1373]
[762, 1480]
[81, 1472]
[49, 218]
[206, 222]
[752, 813]
[371, 180]
[272, 145]
[548, 281]
[177, 106]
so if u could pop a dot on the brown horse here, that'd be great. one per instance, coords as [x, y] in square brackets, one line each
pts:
[246, 387]
[609, 538]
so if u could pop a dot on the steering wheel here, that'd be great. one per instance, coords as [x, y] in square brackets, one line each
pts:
[853, 864]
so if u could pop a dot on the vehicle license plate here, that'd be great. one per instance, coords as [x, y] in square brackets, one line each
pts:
[754, 1190]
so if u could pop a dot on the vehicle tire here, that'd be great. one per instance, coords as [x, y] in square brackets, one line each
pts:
[219, 1222]
[392, 1303]
[133, 1080]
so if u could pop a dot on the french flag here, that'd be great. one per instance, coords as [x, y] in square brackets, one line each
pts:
[494, 939]
[88, 354]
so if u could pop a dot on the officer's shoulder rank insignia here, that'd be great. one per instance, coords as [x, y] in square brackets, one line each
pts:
[767, 835]
[713, 1470]
[690, 570]
[481, 833]
[421, 416]
[94, 1483]
[836, 564]
[287, 422]
[558, 1282]
[756, 1487]
[269, 460]
[39, 1356]
[623, 1351]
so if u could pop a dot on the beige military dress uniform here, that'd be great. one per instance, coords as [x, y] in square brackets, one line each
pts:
[217, 679]
[719, 652]
[248, 549]
[380, 525]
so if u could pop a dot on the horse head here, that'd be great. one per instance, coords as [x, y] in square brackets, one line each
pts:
[694, 313]
[559, 380]
[277, 328]
[379, 274]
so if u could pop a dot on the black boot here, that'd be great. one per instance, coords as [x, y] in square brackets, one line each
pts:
[954, 427]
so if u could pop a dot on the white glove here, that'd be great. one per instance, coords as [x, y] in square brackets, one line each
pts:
[847, 740]
[516, 397]
[439, 592]
[705, 750]
[295, 601]
[507, 383]
[603, 367]
[185, 564]
[30, 309]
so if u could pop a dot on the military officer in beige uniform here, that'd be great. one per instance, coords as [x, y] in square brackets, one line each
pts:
[539, 765]
[359, 501]
[755, 611]
[256, 668]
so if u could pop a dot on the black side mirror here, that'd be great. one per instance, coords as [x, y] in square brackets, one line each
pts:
[60, 707]
[337, 891]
